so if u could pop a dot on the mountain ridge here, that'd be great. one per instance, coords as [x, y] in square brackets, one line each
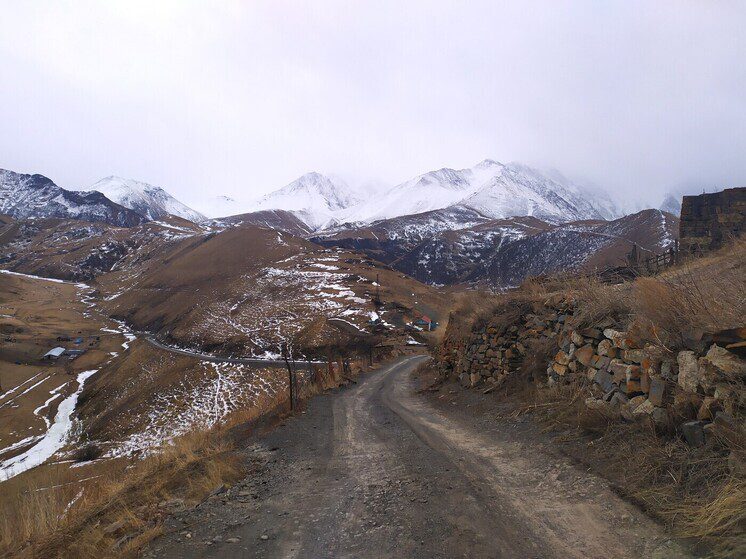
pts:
[25, 196]
[151, 201]
[491, 188]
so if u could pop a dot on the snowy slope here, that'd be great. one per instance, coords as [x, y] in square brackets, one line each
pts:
[221, 206]
[151, 201]
[316, 199]
[492, 189]
[35, 196]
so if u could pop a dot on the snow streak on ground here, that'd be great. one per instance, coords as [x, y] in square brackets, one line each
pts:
[201, 403]
[52, 441]
[280, 300]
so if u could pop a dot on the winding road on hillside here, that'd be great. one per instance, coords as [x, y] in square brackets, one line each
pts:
[255, 362]
[381, 470]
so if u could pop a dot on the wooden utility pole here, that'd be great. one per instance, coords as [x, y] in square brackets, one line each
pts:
[291, 387]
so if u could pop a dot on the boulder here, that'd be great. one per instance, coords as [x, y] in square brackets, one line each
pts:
[688, 371]
[562, 358]
[559, 368]
[604, 380]
[694, 433]
[576, 338]
[726, 362]
[657, 391]
[604, 346]
[619, 339]
[600, 361]
[584, 354]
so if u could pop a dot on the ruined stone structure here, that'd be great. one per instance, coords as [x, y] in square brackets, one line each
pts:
[709, 220]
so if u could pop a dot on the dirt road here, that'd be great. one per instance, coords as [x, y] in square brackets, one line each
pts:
[255, 362]
[377, 470]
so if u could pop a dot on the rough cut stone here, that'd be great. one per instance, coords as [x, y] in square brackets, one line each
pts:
[576, 338]
[668, 369]
[600, 362]
[694, 433]
[559, 368]
[688, 371]
[604, 380]
[619, 339]
[633, 372]
[603, 347]
[584, 354]
[562, 358]
[657, 391]
[618, 400]
[726, 362]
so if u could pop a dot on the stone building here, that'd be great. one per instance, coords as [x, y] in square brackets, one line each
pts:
[709, 220]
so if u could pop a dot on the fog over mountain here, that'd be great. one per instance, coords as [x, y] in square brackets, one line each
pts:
[237, 99]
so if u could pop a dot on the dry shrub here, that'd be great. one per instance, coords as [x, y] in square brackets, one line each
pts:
[118, 512]
[539, 352]
[708, 295]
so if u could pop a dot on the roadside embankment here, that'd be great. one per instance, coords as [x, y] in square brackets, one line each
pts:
[650, 375]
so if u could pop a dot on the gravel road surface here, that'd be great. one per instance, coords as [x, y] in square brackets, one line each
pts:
[376, 470]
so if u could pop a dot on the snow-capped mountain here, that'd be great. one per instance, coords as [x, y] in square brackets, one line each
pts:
[151, 201]
[493, 189]
[316, 199]
[35, 196]
[671, 204]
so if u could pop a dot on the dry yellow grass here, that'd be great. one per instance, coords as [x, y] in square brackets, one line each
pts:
[692, 490]
[117, 513]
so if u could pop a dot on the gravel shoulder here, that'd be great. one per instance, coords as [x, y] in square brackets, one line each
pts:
[380, 470]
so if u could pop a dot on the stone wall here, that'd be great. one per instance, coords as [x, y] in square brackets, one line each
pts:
[709, 220]
[627, 380]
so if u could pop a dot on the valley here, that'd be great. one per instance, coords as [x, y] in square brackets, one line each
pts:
[386, 368]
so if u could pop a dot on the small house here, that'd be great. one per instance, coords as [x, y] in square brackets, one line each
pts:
[54, 353]
[425, 321]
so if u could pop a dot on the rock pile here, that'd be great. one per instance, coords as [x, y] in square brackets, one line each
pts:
[693, 390]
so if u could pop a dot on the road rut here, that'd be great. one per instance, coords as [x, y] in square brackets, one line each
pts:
[377, 471]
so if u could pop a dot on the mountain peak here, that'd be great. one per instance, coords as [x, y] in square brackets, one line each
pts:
[314, 197]
[146, 199]
[487, 163]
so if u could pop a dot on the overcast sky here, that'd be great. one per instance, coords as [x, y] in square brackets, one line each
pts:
[240, 98]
